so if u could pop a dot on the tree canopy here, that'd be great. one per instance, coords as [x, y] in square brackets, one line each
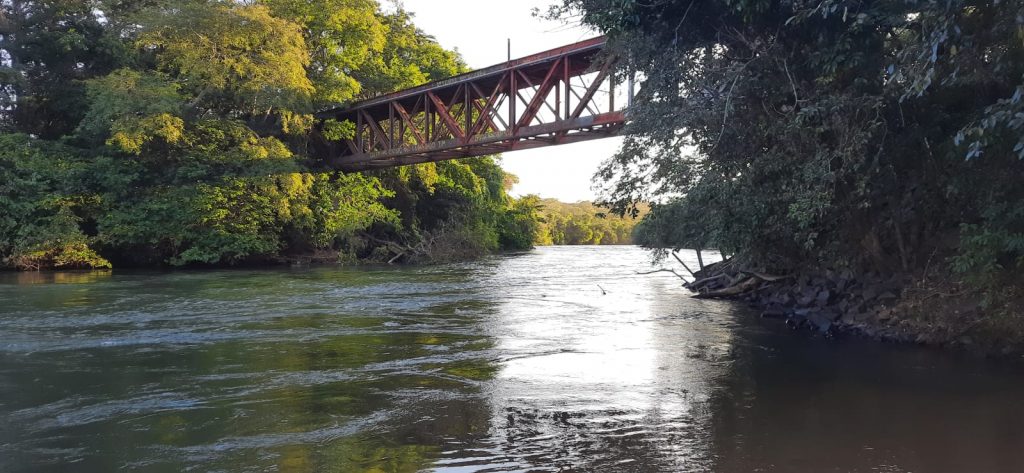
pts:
[152, 132]
[878, 135]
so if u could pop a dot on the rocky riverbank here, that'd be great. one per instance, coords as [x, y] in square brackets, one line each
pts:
[892, 308]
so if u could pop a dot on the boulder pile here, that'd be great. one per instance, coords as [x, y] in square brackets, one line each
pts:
[827, 301]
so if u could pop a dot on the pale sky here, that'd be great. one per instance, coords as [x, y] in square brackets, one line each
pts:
[479, 29]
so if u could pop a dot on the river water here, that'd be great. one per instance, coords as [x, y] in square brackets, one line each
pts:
[560, 359]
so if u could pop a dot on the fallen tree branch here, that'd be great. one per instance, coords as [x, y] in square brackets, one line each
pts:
[663, 270]
[739, 288]
[680, 260]
[701, 282]
[767, 277]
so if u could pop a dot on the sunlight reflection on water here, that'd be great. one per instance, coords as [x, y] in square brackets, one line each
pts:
[559, 359]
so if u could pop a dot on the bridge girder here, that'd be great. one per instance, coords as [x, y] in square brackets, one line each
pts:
[564, 95]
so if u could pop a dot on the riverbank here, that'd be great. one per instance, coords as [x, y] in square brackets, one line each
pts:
[901, 308]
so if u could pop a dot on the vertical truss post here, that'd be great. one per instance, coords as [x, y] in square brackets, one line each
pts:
[427, 121]
[391, 127]
[568, 85]
[467, 111]
[512, 99]
[558, 99]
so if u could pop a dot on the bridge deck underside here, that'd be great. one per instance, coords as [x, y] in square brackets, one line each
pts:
[560, 96]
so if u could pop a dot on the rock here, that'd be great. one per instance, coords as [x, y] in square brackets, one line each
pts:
[822, 298]
[801, 313]
[822, 321]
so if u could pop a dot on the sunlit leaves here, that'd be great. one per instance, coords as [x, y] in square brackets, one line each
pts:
[179, 132]
[409, 58]
[581, 223]
[231, 57]
[130, 136]
[335, 130]
[125, 95]
[341, 35]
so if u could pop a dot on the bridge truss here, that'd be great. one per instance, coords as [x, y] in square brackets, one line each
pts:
[564, 95]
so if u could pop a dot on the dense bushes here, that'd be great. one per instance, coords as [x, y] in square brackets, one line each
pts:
[875, 135]
[158, 132]
[39, 226]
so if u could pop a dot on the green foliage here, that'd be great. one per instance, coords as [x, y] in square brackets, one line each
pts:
[51, 47]
[230, 58]
[866, 135]
[121, 97]
[458, 209]
[341, 36]
[174, 133]
[227, 195]
[39, 226]
[409, 58]
[520, 226]
[334, 130]
[582, 223]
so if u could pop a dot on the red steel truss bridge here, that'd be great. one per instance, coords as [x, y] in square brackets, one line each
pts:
[564, 95]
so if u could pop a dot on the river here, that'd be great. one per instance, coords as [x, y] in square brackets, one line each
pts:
[560, 359]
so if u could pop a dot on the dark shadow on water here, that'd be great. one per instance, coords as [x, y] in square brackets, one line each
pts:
[796, 403]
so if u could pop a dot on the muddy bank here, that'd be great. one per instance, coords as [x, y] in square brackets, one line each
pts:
[891, 308]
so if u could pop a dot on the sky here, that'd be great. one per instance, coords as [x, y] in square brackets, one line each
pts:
[479, 30]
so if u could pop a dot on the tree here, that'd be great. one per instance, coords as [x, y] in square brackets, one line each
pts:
[41, 200]
[342, 36]
[810, 134]
[49, 48]
[151, 132]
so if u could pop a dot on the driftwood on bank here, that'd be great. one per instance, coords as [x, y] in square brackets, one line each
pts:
[722, 279]
[724, 285]
[444, 244]
[675, 254]
[743, 286]
[699, 283]
[827, 301]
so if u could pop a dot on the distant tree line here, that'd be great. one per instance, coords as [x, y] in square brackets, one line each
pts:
[582, 223]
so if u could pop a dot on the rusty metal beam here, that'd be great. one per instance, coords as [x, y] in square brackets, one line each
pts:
[542, 93]
[450, 122]
[409, 125]
[602, 125]
[479, 113]
[591, 90]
